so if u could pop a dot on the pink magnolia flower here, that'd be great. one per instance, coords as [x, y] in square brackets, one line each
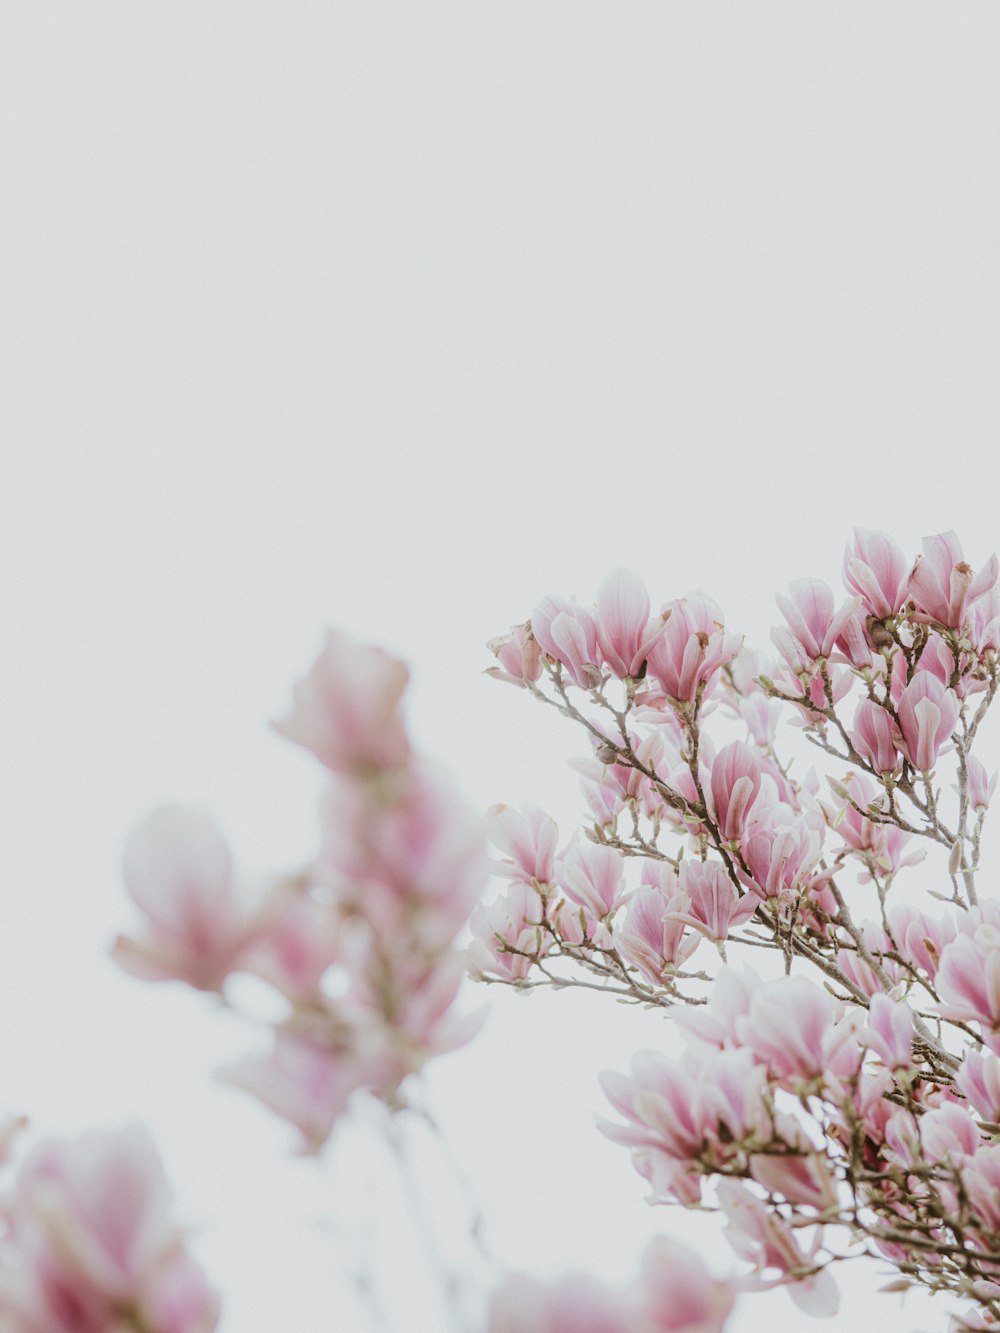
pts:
[507, 935]
[91, 1245]
[652, 934]
[625, 632]
[179, 873]
[715, 904]
[295, 941]
[758, 1234]
[802, 1179]
[920, 938]
[678, 1295]
[413, 844]
[979, 1081]
[813, 625]
[693, 647]
[576, 1303]
[568, 634]
[968, 978]
[942, 586]
[781, 852]
[528, 836]
[790, 1027]
[346, 710]
[307, 1081]
[928, 713]
[735, 786]
[981, 785]
[593, 876]
[876, 569]
[889, 1032]
[949, 1133]
[518, 653]
[875, 736]
[981, 1179]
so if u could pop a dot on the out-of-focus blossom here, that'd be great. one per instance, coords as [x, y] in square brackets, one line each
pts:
[677, 1294]
[803, 1178]
[981, 785]
[979, 1081]
[948, 1133]
[576, 1303]
[889, 1032]
[928, 713]
[761, 715]
[179, 873]
[347, 711]
[920, 938]
[759, 1235]
[968, 977]
[567, 632]
[876, 569]
[625, 632]
[528, 837]
[422, 845]
[735, 786]
[981, 1180]
[693, 648]
[942, 585]
[518, 654]
[876, 736]
[307, 1081]
[294, 942]
[813, 624]
[91, 1247]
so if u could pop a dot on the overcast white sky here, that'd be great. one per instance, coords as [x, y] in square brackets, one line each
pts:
[396, 317]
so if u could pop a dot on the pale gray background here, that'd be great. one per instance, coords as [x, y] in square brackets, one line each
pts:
[397, 316]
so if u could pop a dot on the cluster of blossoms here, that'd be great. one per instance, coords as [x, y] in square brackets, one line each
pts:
[88, 1246]
[359, 947]
[854, 1111]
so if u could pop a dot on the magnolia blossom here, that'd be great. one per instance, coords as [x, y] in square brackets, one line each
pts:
[942, 586]
[928, 712]
[179, 873]
[674, 1294]
[790, 1027]
[90, 1246]
[567, 633]
[625, 632]
[759, 1235]
[890, 1032]
[507, 935]
[979, 1080]
[308, 1080]
[735, 785]
[651, 934]
[593, 876]
[876, 736]
[715, 904]
[346, 710]
[813, 624]
[876, 569]
[968, 977]
[693, 647]
[528, 837]
[518, 653]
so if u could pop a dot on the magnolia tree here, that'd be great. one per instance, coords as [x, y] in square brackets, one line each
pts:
[841, 1099]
